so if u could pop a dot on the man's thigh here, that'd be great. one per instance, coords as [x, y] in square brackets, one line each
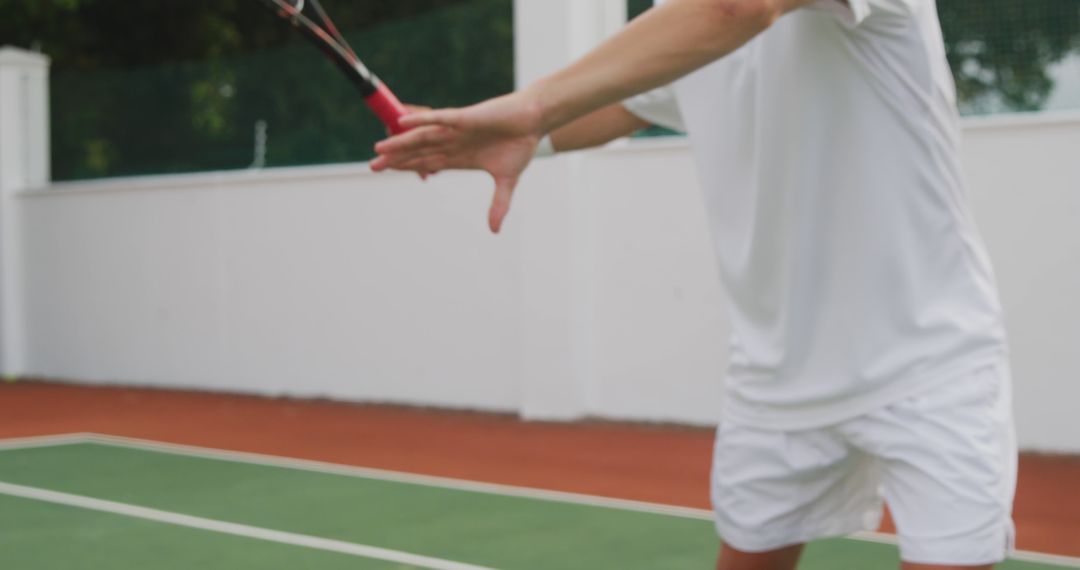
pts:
[948, 458]
[775, 489]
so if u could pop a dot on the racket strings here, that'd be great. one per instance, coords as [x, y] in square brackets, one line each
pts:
[332, 28]
[320, 29]
[322, 18]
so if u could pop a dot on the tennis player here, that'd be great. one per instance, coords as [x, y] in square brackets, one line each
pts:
[868, 358]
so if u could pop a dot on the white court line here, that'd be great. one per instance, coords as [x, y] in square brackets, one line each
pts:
[479, 487]
[43, 441]
[488, 488]
[399, 477]
[303, 540]
[1018, 555]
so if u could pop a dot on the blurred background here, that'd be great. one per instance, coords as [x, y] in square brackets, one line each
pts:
[206, 73]
[193, 250]
[186, 205]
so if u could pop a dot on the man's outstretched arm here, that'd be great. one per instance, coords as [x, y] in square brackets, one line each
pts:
[500, 135]
[597, 128]
[666, 43]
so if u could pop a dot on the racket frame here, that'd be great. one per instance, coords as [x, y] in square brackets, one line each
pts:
[376, 94]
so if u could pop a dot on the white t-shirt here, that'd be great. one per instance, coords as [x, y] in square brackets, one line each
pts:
[827, 148]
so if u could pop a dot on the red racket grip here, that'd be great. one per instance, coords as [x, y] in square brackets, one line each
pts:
[386, 106]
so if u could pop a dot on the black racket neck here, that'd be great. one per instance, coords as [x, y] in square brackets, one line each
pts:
[342, 55]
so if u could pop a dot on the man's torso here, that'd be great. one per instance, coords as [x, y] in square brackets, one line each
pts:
[828, 154]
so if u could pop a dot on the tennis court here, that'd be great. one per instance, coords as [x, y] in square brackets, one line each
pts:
[92, 501]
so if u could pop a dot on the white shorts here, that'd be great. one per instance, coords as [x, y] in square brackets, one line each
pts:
[944, 460]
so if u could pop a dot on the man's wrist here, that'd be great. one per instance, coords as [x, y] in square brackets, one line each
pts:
[543, 106]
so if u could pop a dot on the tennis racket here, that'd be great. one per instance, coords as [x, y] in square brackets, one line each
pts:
[318, 28]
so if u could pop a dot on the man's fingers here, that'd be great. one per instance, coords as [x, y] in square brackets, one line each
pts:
[409, 146]
[500, 205]
[396, 160]
[445, 117]
[426, 166]
[402, 157]
[414, 139]
[411, 109]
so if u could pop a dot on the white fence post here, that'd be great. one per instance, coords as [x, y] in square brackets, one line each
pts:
[24, 165]
[548, 34]
[555, 217]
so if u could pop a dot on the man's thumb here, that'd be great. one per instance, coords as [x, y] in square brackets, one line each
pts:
[500, 205]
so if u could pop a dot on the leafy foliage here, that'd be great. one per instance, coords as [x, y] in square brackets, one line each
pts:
[1000, 50]
[179, 85]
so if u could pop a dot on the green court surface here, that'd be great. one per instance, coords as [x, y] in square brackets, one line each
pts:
[93, 502]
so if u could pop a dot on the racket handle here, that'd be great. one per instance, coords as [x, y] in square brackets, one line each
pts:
[386, 106]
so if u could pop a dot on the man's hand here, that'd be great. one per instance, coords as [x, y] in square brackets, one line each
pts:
[414, 109]
[498, 136]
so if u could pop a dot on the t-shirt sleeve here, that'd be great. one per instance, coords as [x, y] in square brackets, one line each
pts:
[853, 13]
[658, 107]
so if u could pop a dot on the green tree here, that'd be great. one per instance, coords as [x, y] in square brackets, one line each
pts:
[178, 85]
[1000, 51]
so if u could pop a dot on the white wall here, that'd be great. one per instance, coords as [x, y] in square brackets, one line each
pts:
[1025, 179]
[321, 281]
[600, 298]
[659, 334]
